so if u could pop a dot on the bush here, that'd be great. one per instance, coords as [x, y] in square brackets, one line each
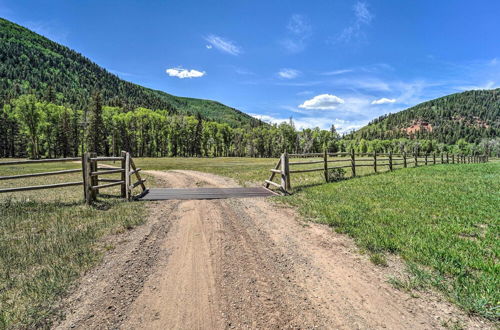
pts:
[336, 174]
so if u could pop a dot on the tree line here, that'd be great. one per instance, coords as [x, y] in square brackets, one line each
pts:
[35, 128]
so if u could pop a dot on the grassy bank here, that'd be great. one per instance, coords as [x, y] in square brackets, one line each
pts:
[48, 238]
[443, 220]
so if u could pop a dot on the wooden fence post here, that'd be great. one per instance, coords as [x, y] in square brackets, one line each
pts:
[84, 177]
[404, 159]
[127, 175]
[442, 158]
[390, 160]
[453, 158]
[434, 158]
[285, 172]
[416, 158]
[325, 161]
[87, 181]
[123, 175]
[353, 163]
[425, 158]
[375, 161]
[447, 158]
[94, 180]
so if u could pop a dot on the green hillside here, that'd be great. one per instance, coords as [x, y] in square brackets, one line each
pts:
[470, 115]
[31, 63]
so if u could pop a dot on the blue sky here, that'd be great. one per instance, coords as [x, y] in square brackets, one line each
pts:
[320, 62]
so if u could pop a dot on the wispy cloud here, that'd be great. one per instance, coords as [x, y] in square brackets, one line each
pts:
[486, 85]
[383, 100]
[121, 73]
[305, 93]
[288, 73]
[362, 17]
[224, 45]
[299, 30]
[184, 73]
[336, 72]
[322, 102]
[324, 122]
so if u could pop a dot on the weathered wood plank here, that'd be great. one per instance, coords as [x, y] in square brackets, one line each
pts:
[38, 161]
[106, 172]
[118, 183]
[46, 186]
[31, 175]
[308, 170]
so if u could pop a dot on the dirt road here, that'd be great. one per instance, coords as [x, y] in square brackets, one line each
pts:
[243, 263]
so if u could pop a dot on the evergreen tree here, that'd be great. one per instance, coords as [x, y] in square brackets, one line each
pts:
[95, 129]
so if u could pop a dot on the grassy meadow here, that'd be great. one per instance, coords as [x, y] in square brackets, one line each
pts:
[442, 220]
[48, 238]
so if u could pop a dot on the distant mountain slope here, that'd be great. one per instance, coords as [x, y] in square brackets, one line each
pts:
[30, 63]
[471, 115]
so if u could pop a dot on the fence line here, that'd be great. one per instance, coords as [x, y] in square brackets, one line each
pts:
[91, 173]
[376, 160]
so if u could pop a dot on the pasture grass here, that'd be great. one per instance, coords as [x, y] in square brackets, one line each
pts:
[442, 220]
[48, 238]
[253, 171]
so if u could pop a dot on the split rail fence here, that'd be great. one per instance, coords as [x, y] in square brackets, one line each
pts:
[93, 173]
[354, 160]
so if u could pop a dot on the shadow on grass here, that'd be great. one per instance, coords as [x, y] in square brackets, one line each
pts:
[10, 204]
[300, 187]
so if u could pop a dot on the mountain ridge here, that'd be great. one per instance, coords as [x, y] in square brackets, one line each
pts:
[32, 63]
[470, 115]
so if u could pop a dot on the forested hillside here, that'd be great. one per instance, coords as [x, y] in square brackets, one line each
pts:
[33, 64]
[472, 116]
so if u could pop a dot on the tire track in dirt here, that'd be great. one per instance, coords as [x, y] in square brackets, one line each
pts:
[243, 263]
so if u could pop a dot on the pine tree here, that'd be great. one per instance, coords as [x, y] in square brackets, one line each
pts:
[95, 129]
[197, 135]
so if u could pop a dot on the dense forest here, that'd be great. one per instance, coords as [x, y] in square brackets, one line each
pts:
[33, 64]
[36, 128]
[472, 115]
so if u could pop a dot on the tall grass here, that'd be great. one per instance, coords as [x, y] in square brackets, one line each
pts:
[443, 220]
[48, 238]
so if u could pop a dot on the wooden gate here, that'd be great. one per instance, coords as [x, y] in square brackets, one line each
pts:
[92, 175]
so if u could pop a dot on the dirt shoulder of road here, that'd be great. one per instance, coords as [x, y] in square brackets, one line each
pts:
[243, 263]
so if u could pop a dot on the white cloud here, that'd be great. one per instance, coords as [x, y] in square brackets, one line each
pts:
[223, 45]
[322, 102]
[383, 101]
[299, 31]
[362, 17]
[183, 73]
[208, 46]
[288, 73]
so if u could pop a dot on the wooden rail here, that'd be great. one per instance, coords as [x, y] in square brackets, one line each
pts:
[356, 160]
[91, 172]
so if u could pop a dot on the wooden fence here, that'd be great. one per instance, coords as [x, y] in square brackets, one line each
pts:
[355, 160]
[92, 175]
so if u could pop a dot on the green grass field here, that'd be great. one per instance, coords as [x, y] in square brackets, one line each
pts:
[251, 171]
[442, 220]
[48, 238]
